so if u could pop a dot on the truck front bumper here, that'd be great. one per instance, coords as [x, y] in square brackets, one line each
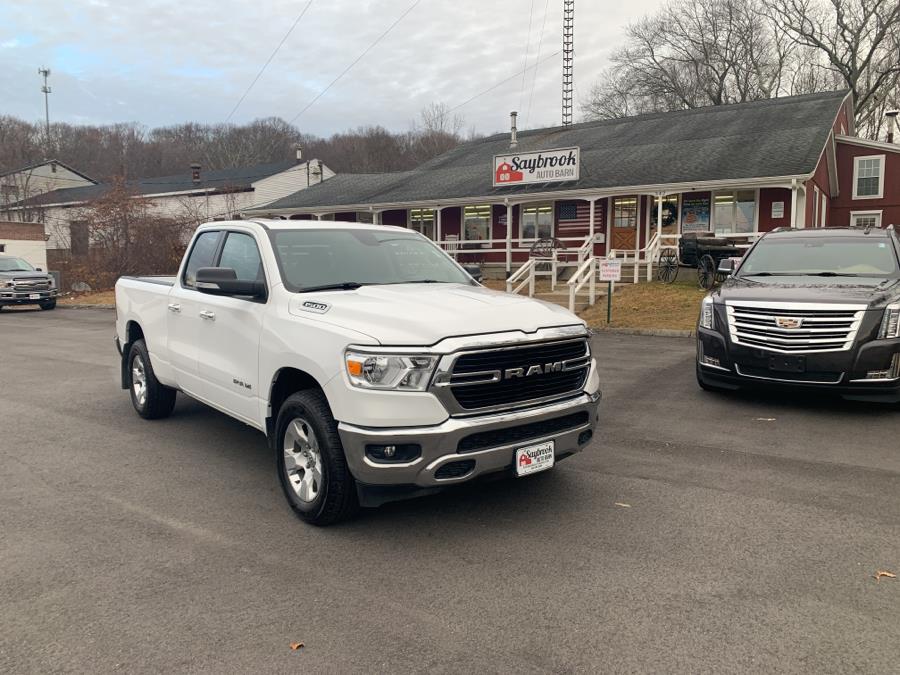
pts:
[463, 448]
[8, 296]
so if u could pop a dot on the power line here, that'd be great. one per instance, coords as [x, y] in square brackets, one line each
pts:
[527, 45]
[502, 82]
[534, 77]
[357, 60]
[268, 61]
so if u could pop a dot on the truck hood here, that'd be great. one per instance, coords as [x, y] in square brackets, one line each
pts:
[425, 314]
[23, 275]
[873, 292]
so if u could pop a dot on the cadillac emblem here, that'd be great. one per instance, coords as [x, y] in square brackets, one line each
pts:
[788, 322]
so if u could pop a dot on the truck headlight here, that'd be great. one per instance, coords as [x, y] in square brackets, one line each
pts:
[890, 324]
[406, 372]
[707, 319]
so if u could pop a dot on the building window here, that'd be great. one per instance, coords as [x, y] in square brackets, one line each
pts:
[477, 223]
[868, 177]
[669, 214]
[422, 221]
[536, 221]
[79, 239]
[865, 218]
[625, 212]
[365, 217]
[734, 211]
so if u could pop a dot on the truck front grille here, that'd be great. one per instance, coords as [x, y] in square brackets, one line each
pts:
[507, 376]
[31, 285]
[793, 328]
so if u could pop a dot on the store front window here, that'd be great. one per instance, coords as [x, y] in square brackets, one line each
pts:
[669, 214]
[477, 223]
[625, 212]
[536, 221]
[734, 211]
[422, 221]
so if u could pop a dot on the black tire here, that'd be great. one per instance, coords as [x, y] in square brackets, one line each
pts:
[49, 304]
[158, 400]
[334, 497]
[706, 272]
[667, 269]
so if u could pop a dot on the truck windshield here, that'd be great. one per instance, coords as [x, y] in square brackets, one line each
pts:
[14, 265]
[821, 256]
[349, 258]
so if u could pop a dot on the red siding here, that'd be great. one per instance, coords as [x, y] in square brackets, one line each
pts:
[820, 180]
[843, 204]
[450, 220]
[346, 216]
[395, 217]
[766, 197]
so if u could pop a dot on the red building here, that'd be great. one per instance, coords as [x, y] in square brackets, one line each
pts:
[630, 184]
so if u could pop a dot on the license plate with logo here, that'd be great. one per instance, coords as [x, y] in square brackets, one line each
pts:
[534, 458]
[34, 296]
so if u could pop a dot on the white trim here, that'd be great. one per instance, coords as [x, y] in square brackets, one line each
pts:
[882, 160]
[868, 143]
[823, 208]
[872, 212]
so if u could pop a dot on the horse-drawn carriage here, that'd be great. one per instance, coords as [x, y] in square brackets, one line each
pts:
[700, 251]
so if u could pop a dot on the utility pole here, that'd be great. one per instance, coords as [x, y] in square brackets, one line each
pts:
[568, 59]
[45, 73]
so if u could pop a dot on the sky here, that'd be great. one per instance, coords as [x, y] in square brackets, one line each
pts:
[162, 62]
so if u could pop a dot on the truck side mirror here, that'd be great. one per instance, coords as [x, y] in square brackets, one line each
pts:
[38, 269]
[474, 271]
[726, 266]
[224, 281]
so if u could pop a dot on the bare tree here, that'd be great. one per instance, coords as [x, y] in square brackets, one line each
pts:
[859, 39]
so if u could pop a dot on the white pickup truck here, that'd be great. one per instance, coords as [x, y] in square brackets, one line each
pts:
[373, 362]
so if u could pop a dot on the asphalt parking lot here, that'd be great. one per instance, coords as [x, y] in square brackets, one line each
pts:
[698, 533]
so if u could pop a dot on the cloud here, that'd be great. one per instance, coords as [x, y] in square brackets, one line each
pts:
[169, 61]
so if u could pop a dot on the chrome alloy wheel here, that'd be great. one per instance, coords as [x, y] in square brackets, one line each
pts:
[139, 380]
[302, 460]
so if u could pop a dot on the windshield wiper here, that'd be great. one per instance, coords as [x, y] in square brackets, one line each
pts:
[341, 286]
[418, 281]
[827, 274]
[768, 274]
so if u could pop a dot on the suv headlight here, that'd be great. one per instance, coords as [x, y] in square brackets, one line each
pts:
[707, 319]
[890, 324]
[400, 372]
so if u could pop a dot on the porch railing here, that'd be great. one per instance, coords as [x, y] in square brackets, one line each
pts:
[585, 274]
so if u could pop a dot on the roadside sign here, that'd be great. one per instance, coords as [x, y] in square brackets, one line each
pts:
[610, 270]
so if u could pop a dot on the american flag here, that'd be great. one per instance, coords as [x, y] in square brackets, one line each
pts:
[576, 215]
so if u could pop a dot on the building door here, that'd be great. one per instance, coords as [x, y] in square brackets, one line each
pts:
[624, 223]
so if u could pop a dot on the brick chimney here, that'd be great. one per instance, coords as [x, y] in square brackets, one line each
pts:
[195, 173]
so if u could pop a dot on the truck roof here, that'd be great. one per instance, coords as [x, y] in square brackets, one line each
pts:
[273, 224]
[843, 231]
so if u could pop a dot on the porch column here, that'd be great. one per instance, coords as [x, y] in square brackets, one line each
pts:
[591, 221]
[794, 203]
[376, 217]
[437, 225]
[509, 224]
[659, 199]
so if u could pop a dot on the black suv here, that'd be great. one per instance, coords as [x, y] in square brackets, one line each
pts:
[22, 284]
[815, 309]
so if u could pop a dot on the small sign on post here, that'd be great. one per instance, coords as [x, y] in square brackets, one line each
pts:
[610, 271]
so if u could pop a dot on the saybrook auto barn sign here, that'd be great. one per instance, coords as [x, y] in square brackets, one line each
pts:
[542, 166]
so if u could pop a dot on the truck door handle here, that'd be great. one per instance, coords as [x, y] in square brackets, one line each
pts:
[206, 314]
[175, 307]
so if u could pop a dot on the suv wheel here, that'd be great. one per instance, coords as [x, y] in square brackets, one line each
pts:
[48, 304]
[150, 398]
[310, 460]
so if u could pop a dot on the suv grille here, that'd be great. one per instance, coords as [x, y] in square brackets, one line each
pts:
[794, 327]
[499, 377]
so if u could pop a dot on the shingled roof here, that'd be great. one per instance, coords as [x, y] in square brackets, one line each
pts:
[240, 178]
[770, 138]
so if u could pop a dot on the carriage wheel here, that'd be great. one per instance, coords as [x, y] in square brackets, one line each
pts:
[706, 272]
[667, 271]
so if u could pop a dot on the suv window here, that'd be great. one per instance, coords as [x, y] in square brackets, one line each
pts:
[202, 255]
[241, 254]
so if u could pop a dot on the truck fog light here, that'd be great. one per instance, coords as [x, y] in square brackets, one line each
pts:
[405, 452]
[585, 436]
[889, 374]
[711, 361]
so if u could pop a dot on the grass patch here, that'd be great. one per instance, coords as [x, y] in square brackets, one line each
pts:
[650, 305]
[93, 298]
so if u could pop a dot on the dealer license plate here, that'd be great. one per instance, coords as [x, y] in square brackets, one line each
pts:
[34, 296]
[534, 458]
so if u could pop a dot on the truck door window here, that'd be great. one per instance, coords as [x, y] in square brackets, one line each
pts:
[241, 254]
[202, 255]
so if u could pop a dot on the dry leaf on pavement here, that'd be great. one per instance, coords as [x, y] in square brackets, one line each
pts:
[884, 573]
[296, 645]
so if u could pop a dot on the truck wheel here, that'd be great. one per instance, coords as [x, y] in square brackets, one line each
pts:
[151, 399]
[49, 304]
[312, 468]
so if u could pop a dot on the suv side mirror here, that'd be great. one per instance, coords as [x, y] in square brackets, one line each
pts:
[726, 266]
[474, 271]
[224, 281]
